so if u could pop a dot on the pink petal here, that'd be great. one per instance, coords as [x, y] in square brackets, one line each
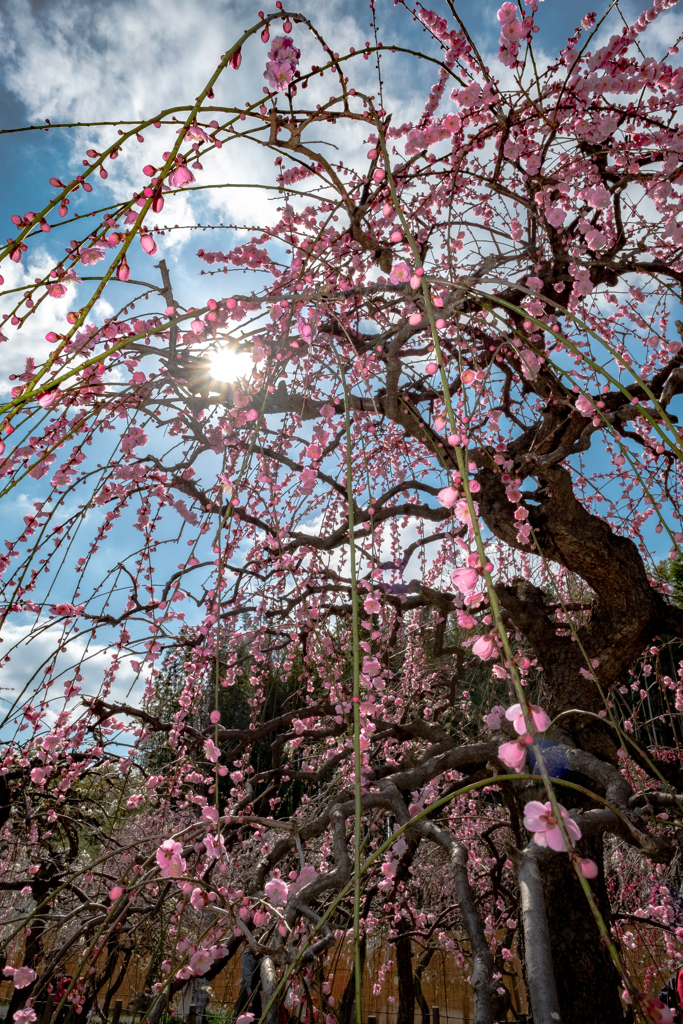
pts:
[588, 867]
[512, 755]
[465, 579]
[148, 244]
[123, 270]
[554, 839]
[447, 497]
[483, 648]
[540, 718]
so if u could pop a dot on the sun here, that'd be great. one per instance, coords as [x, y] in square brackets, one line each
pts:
[228, 365]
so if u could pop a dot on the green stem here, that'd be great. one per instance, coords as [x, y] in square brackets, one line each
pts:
[357, 779]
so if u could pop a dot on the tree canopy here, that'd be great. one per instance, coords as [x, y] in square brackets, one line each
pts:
[340, 542]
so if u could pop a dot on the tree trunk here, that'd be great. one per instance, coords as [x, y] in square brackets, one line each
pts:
[404, 970]
[539, 963]
[424, 962]
[347, 1004]
[269, 982]
[587, 981]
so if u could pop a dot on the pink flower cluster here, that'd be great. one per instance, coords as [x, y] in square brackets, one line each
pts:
[512, 33]
[437, 130]
[513, 754]
[281, 67]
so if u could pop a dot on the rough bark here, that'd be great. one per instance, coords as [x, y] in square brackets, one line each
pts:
[404, 968]
[269, 982]
[539, 965]
[587, 982]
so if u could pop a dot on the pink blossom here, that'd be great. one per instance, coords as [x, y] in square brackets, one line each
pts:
[181, 176]
[214, 847]
[279, 74]
[465, 579]
[197, 133]
[465, 621]
[308, 477]
[512, 31]
[306, 875]
[123, 270]
[116, 892]
[21, 976]
[170, 859]
[513, 754]
[48, 398]
[211, 751]
[462, 511]
[468, 96]
[197, 900]
[598, 197]
[540, 819]
[148, 244]
[215, 717]
[531, 364]
[371, 667]
[283, 48]
[200, 962]
[400, 273]
[555, 216]
[484, 648]
[507, 13]
[495, 717]
[595, 239]
[515, 715]
[656, 1010]
[372, 605]
[25, 1016]
[447, 497]
[92, 255]
[276, 891]
[66, 609]
[587, 867]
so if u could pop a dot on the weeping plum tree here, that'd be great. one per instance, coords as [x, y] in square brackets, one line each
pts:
[405, 454]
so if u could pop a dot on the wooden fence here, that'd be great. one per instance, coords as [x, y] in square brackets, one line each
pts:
[195, 1015]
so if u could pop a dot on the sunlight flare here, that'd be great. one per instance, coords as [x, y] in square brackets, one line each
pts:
[227, 364]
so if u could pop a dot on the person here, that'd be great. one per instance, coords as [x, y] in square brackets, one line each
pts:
[672, 994]
[249, 998]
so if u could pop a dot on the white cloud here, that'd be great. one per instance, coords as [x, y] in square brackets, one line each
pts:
[31, 646]
[49, 316]
[74, 61]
